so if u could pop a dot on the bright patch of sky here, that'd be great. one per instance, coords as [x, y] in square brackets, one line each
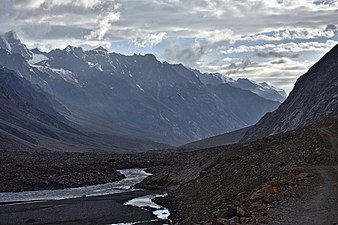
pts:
[264, 40]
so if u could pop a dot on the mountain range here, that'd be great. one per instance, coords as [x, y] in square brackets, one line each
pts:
[135, 99]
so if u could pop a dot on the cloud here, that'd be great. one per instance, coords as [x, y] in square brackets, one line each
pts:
[331, 27]
[279, 61]
[189, 56]
[215, 36]
[234, 68]
[230, 59]
[104, 21]
[283, 47]
[149, 40]
[274, 54]
[269, 32]
[210, 20]
[280, 72]
[51, 4]
[103, 25]
[292, 34]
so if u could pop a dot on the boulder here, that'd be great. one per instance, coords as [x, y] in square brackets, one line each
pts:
[240, 211]
[262, 192]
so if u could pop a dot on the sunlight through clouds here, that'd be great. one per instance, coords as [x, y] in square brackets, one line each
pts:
[198, 33]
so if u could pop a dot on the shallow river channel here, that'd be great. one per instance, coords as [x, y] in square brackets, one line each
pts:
[133, 176]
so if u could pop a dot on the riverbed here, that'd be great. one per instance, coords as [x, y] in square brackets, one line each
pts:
[111, 203]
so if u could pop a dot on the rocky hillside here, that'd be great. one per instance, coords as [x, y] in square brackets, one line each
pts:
[247, 106]
[208, 188]
[314, 97]
[219, 140]
[26, 106]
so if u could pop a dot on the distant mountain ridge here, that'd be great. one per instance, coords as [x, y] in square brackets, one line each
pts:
[314, 97]
[262, 89]
[135, 96]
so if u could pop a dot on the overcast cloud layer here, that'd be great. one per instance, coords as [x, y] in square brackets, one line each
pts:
[268, 40]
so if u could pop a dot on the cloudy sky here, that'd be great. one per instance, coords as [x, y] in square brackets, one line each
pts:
[264, 40]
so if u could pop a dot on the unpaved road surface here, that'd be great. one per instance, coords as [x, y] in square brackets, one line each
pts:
[320, 205]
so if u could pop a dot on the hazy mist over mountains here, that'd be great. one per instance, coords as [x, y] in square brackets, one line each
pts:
[137, 96]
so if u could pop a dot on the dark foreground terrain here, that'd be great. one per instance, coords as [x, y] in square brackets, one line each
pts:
[38, 170]
[290, 178]
[282, 179]
[41, 170]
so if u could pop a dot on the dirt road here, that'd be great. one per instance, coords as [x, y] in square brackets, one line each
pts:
[320, 205]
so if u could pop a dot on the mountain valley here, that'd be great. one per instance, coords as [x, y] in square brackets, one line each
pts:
[223, 151]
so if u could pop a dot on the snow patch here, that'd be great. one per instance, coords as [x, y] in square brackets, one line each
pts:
[96, 65]
[181, 96]
[37, 58]
[69, 49]
[141, 89]
[7, 45]
[65, 74]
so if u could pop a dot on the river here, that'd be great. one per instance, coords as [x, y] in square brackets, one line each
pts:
[133, 176]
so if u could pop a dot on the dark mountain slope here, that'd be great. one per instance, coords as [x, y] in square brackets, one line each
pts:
[219, 140]
[26, 106]
[27, 116]
[314, 97]
[164, 102]
[248, 106]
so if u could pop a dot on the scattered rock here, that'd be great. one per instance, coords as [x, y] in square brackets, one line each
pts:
[261, 193]
[245, 220]
[234, 220]
[240, 211]
[302, 175]
[221, 221]
[318, 153]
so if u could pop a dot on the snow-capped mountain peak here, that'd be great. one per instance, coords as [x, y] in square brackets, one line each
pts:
[69, 49]
[10, 42]
[100, 49]
[12, 36]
